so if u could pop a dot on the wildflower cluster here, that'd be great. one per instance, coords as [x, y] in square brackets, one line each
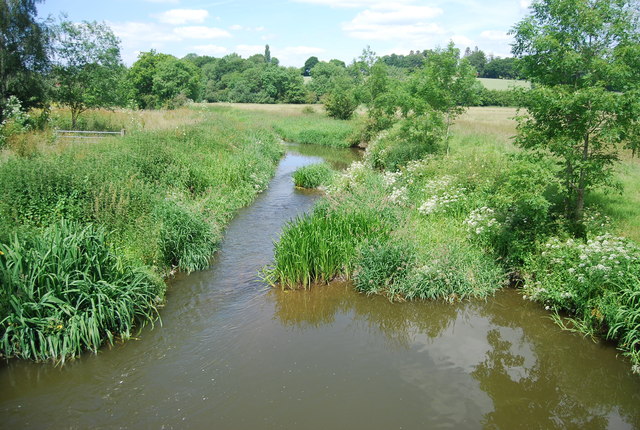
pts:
[354, 175]
[569, 273]
[482, 221]
[443, 195]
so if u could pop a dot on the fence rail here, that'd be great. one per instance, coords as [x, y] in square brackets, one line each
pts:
[83, 134]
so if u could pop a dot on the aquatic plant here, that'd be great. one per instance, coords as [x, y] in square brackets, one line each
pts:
[66, 290]
[321, 245]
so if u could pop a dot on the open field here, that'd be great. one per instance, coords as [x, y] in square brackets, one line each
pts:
[503, 84]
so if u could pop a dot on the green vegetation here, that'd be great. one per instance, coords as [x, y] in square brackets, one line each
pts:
[84, 227]
[315, 129]
[313, 176]
[65, 289]
[503, 84]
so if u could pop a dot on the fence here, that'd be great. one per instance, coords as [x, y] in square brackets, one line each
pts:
[78, 134]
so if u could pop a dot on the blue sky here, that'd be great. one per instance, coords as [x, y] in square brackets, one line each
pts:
[297, 29]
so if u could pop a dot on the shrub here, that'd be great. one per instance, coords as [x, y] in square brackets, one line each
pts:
[65, 290]
[408, 140]
[313, 176]
[340, 104]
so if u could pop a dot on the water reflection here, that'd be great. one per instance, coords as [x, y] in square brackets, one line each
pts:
[527, 373]
[569, 382]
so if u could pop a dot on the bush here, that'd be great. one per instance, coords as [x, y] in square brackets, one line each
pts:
[408, 140]
[65, 290]
[340, 104]
[186, 239]
[313, 176]
[595, 282]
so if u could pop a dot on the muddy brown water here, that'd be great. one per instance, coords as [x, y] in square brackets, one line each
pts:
[234, 354]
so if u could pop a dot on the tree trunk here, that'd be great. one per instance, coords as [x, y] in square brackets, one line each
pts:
[578, 211]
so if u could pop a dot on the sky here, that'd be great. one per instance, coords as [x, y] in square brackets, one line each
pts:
[297, 29]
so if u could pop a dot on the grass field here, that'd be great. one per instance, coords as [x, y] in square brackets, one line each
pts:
[503, 84]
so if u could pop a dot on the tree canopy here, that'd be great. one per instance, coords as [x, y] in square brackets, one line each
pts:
[581, 55]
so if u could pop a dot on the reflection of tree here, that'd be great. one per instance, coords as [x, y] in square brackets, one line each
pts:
[401, 321]
[398, 322]
[562, 389]
[314, 307]
[338, 158]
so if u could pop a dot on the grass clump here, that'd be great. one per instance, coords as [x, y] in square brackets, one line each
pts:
[313, 176]
[319, 246]
[65, 290]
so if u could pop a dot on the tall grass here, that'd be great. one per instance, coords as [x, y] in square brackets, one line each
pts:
[319, 246]
[160, 198]
[65, 290]
[313, 176]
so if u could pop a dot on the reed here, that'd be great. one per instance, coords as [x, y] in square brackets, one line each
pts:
[65, 290]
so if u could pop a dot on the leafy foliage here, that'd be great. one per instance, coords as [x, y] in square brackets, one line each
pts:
[66, 290]
[88, 69]
[578, 51]
[24, 45]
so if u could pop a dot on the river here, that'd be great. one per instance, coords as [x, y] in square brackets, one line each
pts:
[232, 353]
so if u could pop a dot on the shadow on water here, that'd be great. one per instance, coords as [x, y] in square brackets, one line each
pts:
[232, 353]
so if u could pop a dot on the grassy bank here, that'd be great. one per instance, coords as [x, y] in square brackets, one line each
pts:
[152, 202]
[465, 224]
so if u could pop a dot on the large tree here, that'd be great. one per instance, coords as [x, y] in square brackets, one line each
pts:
[88, 69]
[23, 53]
[583, 58]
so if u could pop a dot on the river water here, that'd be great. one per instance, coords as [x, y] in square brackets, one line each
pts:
[232, 353]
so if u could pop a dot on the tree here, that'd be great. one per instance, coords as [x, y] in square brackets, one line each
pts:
[175, 81]
[308, 65]
[267, 54]
[340, 102]
[141, 77]
[501, 68]
[445, 84]
[88, 69]
[24, 45]
[477, 59]
[576, 52]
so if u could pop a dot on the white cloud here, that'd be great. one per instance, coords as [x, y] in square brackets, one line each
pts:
[200, 32]
[524, 4]
[238, 27]
[295, 55]
[163, 1]
[249, 50]
[132, 32]
[495, 35]
[463, 41]
[210, 50]
[389, 21]
[182, 16]
[349, 3]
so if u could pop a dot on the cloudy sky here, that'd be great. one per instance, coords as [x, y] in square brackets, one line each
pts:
[297, 29]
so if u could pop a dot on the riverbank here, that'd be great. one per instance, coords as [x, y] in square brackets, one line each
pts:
[88, 229]
[413, 225]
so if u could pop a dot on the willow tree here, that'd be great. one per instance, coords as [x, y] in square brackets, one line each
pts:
[582, 57]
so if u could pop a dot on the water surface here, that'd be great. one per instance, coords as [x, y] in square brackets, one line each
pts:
[234, 354]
